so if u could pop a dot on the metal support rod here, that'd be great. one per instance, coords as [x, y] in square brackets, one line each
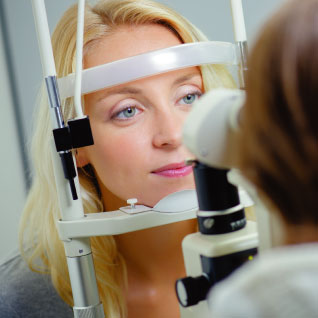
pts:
[78, 252]
[240, 39]
[54, 100]
[242, 71]
[84, 287]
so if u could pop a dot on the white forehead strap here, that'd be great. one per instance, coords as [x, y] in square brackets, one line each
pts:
[148, 64]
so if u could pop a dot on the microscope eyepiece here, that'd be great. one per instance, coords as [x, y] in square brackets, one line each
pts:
[214, 191]
[220, 210]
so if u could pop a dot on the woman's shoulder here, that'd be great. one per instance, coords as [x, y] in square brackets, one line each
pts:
[24, 293]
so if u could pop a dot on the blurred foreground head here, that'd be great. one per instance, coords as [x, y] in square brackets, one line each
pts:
[279, 140]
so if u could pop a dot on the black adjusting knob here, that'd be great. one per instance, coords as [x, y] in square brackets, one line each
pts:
[191, 290]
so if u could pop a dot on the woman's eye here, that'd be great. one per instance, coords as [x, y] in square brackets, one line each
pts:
[127, 113]
[189, 98]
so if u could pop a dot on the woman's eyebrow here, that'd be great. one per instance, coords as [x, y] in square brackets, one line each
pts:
[133, 90]
[185, 78]
[120, 90]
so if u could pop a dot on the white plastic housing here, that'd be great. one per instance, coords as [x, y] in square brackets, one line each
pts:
[196, 244]
[209, 130]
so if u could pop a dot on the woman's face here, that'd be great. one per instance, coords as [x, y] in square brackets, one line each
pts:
[138, 151]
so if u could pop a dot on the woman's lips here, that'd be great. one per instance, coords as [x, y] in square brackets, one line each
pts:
[174, 170]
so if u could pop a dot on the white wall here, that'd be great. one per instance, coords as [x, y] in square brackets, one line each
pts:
[213, 17]
[12, 186]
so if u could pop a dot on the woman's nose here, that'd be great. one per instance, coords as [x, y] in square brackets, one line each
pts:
[168, 129]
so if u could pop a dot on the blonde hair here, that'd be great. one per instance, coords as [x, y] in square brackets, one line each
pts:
[39, 238]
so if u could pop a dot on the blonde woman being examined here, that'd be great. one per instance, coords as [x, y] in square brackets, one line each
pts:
[137, 153]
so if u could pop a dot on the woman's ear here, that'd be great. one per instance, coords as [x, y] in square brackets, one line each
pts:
[81, 158]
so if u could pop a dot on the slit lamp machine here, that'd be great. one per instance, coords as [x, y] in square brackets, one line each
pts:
[225, 239]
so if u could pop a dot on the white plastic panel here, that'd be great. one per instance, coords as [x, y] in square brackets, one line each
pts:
[148, 64]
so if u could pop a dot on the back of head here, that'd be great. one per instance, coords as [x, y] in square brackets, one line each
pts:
[279, 142]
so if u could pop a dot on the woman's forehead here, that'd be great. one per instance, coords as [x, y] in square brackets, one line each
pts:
[130, 41]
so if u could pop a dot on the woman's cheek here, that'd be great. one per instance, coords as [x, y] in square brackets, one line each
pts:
[116, 147]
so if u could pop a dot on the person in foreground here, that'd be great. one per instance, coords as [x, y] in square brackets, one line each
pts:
[279, 155]
[137, 152]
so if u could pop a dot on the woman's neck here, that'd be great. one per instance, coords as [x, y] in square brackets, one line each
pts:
[154, 262]
[152, 252]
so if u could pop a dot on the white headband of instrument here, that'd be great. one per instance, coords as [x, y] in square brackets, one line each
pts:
[148, 64]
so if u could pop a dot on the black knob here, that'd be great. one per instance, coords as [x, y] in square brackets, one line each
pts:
[191, 290]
